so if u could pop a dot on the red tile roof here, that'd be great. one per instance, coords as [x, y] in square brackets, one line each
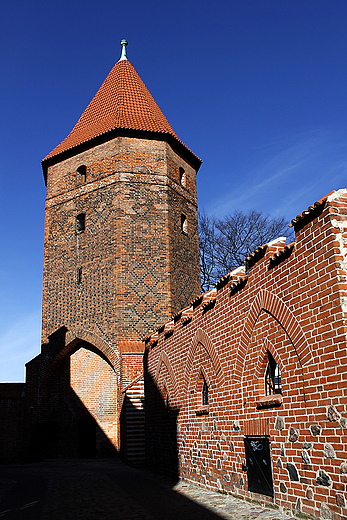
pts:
[122, 102]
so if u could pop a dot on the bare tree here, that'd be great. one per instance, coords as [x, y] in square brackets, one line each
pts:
[208, 247]
[226, 243]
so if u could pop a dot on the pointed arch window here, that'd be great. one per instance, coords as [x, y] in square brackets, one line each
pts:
[165, 399]
[272, 377]
[79, 276]
[202, 397]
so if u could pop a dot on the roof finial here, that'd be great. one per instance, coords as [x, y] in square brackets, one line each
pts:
[123, 56]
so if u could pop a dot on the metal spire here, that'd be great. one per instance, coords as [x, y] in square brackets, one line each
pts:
[123, 56]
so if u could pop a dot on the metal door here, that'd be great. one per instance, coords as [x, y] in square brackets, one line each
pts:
[258, 459]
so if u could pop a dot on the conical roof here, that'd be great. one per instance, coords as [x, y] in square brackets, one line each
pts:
[122, 102]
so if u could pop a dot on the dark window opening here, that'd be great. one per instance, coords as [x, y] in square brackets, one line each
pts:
[82, 170]
[165, 399]
[184, 224]
[272, 377]
[182, 177]
[81, 222]
[204, 393]
[79, 275]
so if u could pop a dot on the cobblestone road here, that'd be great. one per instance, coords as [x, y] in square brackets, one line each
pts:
[110, 490]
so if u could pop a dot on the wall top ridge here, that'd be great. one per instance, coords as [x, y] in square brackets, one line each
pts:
[333, 195]
[180, 317]
[312, 211]
[233, 282]
[234, 277]
[272, 247]
[254, 257]
[282, 254]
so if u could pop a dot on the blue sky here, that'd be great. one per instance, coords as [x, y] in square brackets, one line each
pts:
[256, 88]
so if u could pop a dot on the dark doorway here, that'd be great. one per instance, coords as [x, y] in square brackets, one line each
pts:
[258, 459]
[87, 437]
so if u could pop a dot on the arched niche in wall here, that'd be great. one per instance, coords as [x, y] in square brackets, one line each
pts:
[271, 326]
[202, 365]
[166, 381]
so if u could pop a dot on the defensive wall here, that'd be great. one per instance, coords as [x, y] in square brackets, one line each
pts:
[210, 409]
[208, 395]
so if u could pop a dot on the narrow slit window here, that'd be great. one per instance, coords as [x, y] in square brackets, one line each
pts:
[182, 177]
[79, 276]
[166, 399]
[184, 224]
[272, 377]
[81, 222]
[82, 170]
[204, 393]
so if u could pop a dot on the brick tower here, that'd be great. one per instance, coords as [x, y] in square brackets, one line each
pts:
[121, 247]
[121, 241]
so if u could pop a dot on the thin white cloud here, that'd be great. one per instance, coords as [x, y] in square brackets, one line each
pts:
[331, 179]
[300, 169]
[18, 344]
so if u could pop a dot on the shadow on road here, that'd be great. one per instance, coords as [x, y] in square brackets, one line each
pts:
[91, 489]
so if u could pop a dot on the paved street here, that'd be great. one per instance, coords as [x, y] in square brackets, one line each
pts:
[105, 490]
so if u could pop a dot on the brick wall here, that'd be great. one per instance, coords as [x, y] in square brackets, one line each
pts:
[291, 303]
